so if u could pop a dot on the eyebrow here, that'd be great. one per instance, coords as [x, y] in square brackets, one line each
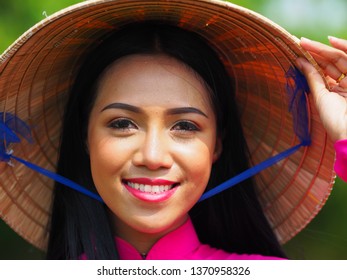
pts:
[185, 110]
[123, 106]
[172, 111]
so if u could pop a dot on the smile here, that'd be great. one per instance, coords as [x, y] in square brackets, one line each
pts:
[154, 190]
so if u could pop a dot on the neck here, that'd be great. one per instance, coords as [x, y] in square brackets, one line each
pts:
[142, 241]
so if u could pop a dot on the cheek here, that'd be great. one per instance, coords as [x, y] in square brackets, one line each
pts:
[107, 157]
[197, 161]
[101, 154]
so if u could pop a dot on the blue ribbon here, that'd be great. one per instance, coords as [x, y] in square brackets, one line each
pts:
[297, 100]
[11, 128]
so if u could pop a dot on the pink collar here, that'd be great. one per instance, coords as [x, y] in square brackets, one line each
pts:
[176, 245]
[182, 244]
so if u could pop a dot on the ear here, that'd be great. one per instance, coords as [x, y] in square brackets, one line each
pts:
[218, 149]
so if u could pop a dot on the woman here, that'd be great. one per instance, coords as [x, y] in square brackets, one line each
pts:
[219, 129]
[123, 145]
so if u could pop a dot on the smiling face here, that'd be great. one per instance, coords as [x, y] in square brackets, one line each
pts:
[152, 142]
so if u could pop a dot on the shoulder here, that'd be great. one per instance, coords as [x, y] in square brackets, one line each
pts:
[341, 159]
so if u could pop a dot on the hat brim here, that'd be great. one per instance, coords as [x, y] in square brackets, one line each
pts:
[38, 69]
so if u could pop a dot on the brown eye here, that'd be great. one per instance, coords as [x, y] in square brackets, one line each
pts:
[122, 124]
[185, 126]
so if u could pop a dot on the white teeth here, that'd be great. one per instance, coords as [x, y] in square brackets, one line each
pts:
[149, 188]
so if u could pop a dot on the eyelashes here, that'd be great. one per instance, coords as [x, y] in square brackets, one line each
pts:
[122, 124]
[185, 126]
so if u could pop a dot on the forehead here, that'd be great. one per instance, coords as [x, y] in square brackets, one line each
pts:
[153, 77]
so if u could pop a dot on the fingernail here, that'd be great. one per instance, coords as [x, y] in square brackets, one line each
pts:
[305, 39]
[332, 38]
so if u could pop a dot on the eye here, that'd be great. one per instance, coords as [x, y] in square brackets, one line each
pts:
[122, 124]
[185, 126]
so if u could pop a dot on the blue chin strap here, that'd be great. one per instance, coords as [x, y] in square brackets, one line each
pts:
[12, 129]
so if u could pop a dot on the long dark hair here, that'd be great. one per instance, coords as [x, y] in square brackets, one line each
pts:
[232, 220]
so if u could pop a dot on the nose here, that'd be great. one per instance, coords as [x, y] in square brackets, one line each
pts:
[154, 151]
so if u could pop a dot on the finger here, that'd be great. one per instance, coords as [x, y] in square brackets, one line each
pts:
[329, 69]
[335, 56]
[343, 83]
[331, 82]
[314, 79]
[338, 43]
[340, 90]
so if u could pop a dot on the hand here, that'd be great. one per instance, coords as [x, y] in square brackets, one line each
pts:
[331, 98]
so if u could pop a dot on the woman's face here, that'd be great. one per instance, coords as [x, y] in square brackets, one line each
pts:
[152, 142]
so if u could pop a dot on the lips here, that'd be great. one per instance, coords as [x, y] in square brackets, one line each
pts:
[154, 190]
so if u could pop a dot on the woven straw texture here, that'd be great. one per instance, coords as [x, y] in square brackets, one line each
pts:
[37, 70]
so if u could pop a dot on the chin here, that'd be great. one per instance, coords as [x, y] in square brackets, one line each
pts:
[157, 225]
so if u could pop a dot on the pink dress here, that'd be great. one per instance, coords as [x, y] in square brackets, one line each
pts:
[341, 159]
[181, 244]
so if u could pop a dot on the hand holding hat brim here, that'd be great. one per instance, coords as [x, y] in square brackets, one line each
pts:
[331, 102]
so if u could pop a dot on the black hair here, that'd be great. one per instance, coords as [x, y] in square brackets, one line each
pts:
[233, 220]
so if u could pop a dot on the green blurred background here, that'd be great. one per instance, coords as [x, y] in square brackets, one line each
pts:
[326, 236]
